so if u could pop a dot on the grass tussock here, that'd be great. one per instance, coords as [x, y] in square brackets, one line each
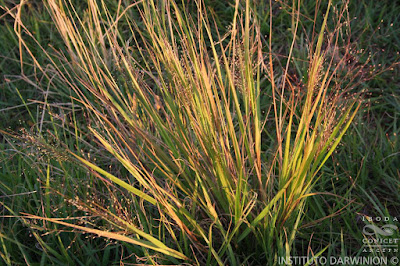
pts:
[212, 171]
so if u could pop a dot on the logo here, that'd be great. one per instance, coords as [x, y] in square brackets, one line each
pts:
[386, 230]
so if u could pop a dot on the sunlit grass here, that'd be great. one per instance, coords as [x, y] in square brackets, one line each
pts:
[177, 104]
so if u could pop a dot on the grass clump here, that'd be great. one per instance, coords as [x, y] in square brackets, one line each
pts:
[214, 145]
